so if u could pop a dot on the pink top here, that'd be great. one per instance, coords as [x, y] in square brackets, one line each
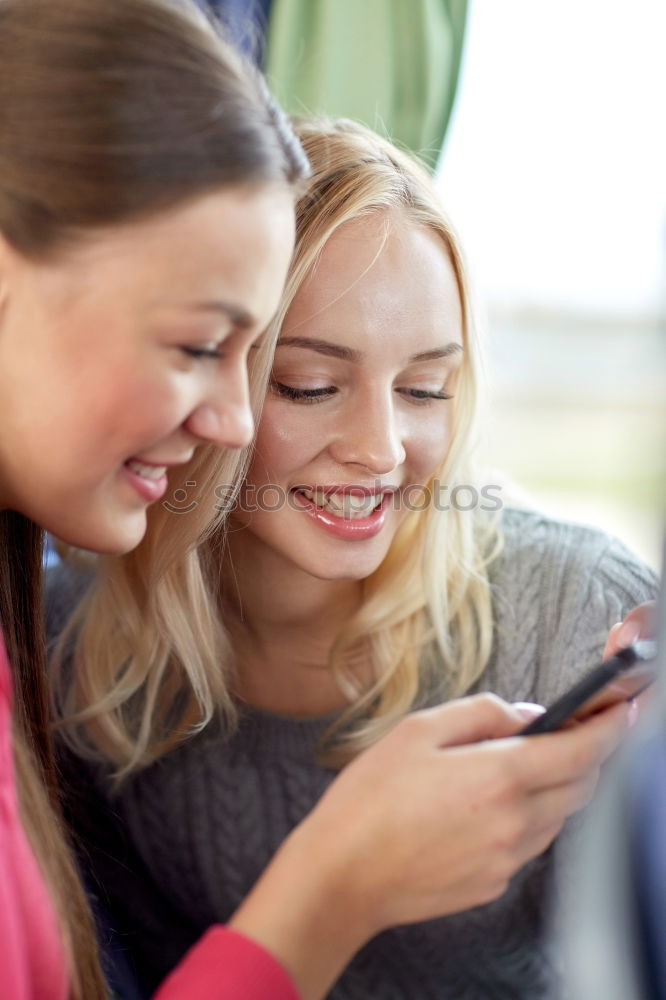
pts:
[223, 965]
[32, 961]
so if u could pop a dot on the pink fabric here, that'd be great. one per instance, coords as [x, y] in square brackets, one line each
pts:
[32, 961]
[226, 965]
[223, 965]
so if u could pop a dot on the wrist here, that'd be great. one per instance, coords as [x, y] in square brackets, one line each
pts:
[308, 909]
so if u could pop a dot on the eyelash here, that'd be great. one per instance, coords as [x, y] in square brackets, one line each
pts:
[303, 395]
[203, 353]
[418, 396]
[422, 396]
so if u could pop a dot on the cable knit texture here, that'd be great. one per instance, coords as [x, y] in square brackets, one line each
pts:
[180, 846]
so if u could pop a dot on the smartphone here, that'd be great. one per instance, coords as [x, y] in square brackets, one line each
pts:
[620, 678]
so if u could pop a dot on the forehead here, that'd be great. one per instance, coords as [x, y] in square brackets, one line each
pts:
[381, 267]
[231, 244]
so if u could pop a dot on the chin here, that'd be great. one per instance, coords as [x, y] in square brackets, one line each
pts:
[352, 573]
[106, 536]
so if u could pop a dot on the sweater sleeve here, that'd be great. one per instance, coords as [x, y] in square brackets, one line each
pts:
[601, 583]
[557, 590]
[226, 965]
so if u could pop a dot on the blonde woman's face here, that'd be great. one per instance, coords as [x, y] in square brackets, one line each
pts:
[359, 410]
[120, 357]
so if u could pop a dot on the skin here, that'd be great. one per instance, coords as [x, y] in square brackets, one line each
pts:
[94, 371]
[376, 418]
[476, 804]
[640, 623]
[504, 798]
[96, 363]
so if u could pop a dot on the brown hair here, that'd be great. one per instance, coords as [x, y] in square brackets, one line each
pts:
[108, 112]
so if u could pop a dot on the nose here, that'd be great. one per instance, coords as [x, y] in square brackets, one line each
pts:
[370, 434]
[224, 416]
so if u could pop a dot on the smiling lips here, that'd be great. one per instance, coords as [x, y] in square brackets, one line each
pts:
[349, 512]
[149, 479]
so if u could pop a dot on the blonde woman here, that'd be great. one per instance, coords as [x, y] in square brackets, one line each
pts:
[211, 697]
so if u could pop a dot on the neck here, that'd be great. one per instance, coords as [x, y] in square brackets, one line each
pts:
[283, 624]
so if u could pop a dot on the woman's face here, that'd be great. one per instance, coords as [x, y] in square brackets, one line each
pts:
[359, 411]
[120, 356]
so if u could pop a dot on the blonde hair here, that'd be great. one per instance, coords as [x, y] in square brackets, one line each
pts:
[152, 660]
[425, 621]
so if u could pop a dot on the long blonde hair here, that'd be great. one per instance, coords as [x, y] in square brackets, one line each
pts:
[152, 660]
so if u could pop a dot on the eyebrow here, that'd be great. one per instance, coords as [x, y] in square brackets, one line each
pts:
[350, 354]
[238, 316]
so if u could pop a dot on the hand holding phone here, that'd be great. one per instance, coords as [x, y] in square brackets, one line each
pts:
[620, 678]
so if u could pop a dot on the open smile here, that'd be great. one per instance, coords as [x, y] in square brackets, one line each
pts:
[148, 478]
[353, 513]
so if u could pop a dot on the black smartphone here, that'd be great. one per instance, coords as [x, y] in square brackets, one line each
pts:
[620, 678]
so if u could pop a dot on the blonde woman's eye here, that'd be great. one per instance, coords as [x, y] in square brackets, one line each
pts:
[424, 395]
[304, 395]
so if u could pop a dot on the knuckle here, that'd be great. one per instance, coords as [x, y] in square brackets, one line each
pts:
[412, 726]
[508, 834]
[543, 842]
[583, 758]
[489, 703]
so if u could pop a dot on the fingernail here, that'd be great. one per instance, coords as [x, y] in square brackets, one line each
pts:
[528, 709]
[629, 632]
[632, 712]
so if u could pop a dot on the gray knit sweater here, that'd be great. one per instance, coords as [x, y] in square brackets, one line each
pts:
[183, 842]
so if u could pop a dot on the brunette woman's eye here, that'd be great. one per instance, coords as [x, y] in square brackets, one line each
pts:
[303, 395]
[203, 352]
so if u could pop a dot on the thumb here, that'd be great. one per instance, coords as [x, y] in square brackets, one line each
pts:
[469, 720]
[613, 644]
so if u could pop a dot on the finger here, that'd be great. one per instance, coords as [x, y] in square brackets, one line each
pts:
[613, 644]
[641, 622]
[554, 805]
[528, 709]
[557, 758]
[539, 843]
[470, 720]
[550, 810]
[638, 624]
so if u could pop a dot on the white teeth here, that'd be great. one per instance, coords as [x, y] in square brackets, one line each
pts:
[359, 502]
[147, 471]
[347, 505]
[334, 502]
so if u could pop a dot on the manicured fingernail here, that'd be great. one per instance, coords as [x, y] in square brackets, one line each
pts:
[632, 712]
[629, 632]
[529, 709]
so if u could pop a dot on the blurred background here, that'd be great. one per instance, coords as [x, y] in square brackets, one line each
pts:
[544, 125]
[554, 169]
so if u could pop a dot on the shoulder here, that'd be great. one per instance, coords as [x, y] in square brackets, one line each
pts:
[557, 588]
[565, 560]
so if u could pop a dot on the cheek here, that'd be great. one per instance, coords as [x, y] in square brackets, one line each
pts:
[286, 441]
[130, 413]
[429, 445]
